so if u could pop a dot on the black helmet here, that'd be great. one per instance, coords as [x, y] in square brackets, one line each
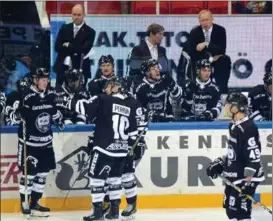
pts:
[146, 65]
[7, 67]
[119, 82]
[237, 99]
[106, 59]
[204, 63]
[72, 75]
[24, 82]
[41, 73]
[268, 78]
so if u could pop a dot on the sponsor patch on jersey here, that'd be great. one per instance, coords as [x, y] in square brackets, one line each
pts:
[43, 122]
[120, 109]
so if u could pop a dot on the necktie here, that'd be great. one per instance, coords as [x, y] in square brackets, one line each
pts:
[76, 29]
[207, 36]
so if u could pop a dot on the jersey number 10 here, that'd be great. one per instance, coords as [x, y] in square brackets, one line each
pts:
[120, 125]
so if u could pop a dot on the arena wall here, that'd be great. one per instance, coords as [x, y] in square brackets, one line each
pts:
[170, 175]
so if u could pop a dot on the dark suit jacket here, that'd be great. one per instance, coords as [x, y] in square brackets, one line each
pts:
[141, 53]
[81, 44]
[216, 46]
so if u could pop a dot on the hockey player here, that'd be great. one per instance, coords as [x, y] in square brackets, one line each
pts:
[115, 132]
[242, 164]
[106, 73]
[12, 116]
[201, 99]
[128, 176]
[71, 88]
[156, 91]
[38, 111]
[260, 102]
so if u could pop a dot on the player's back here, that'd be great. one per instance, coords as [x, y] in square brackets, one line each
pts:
[244, 150]
[115, 123]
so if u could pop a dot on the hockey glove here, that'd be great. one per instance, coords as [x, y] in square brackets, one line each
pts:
[206, 116]
[215, 168]
[139, 149]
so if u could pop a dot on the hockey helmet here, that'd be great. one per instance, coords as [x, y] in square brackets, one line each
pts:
[267, 78]
[204, 63]
[119, 82]
[41, 73]
[106, 59]
[74, 80]
[238, 100]
[7, 67]
[146, 65]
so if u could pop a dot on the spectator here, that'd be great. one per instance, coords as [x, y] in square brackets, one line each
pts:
[74, 41]
[201, 99]
[148, 49]
[208, 41]
[105, 73]
[253, 7]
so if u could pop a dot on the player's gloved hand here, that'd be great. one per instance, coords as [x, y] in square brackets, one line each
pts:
[139, 149]
[248, 187]
[90, 145]
[206, 116]
[59, 120]
[215, 168]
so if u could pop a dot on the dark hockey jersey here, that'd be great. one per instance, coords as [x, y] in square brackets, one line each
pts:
[97, 85]
[11, 111]
[260, 105]
[244, 152]
[38, 111]
[63, 96]
[2, 101]
[201, 99]
[156, 97]
[115, 124]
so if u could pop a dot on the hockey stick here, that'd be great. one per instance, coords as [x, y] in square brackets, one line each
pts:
[150, 117]
[26, 203]
[246, 195]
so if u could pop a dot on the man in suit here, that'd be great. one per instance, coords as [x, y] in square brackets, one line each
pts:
[147, 49]
[208, 41]
[73, 43]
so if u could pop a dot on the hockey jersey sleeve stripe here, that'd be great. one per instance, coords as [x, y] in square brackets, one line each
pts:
[109, 153]
[254, 179]
[134, 133]
[256, 115]
[35, 144]
[57, 115]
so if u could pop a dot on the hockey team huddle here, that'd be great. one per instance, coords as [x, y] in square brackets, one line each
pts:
[121, 110]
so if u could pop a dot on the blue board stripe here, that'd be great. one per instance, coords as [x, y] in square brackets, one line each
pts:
[153, 126]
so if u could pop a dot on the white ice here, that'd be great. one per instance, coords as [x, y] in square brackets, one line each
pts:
[150, 215]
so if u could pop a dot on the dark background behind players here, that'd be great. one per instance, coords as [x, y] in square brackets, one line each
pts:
[73, 41]
[208, 40]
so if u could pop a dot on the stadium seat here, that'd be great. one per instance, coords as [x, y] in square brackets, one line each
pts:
[143, 8]
[101, 7]
[165, 7]
[218, 7]
[192, 7]
[59, 7]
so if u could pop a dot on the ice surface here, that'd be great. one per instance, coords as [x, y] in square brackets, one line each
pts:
[151, 215]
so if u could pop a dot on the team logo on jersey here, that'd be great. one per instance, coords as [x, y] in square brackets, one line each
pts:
[231, 155]
[43, 122]
[199, 108]
[156, 105]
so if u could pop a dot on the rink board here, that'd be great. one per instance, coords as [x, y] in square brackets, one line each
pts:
[170, 175]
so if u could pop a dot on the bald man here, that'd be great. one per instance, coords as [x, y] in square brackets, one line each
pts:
[208, 41]
[73, 43]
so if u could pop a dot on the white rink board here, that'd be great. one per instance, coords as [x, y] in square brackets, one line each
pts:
[173, 164]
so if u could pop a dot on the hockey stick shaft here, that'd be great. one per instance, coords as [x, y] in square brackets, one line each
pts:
[246, 195]
[25, 161]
